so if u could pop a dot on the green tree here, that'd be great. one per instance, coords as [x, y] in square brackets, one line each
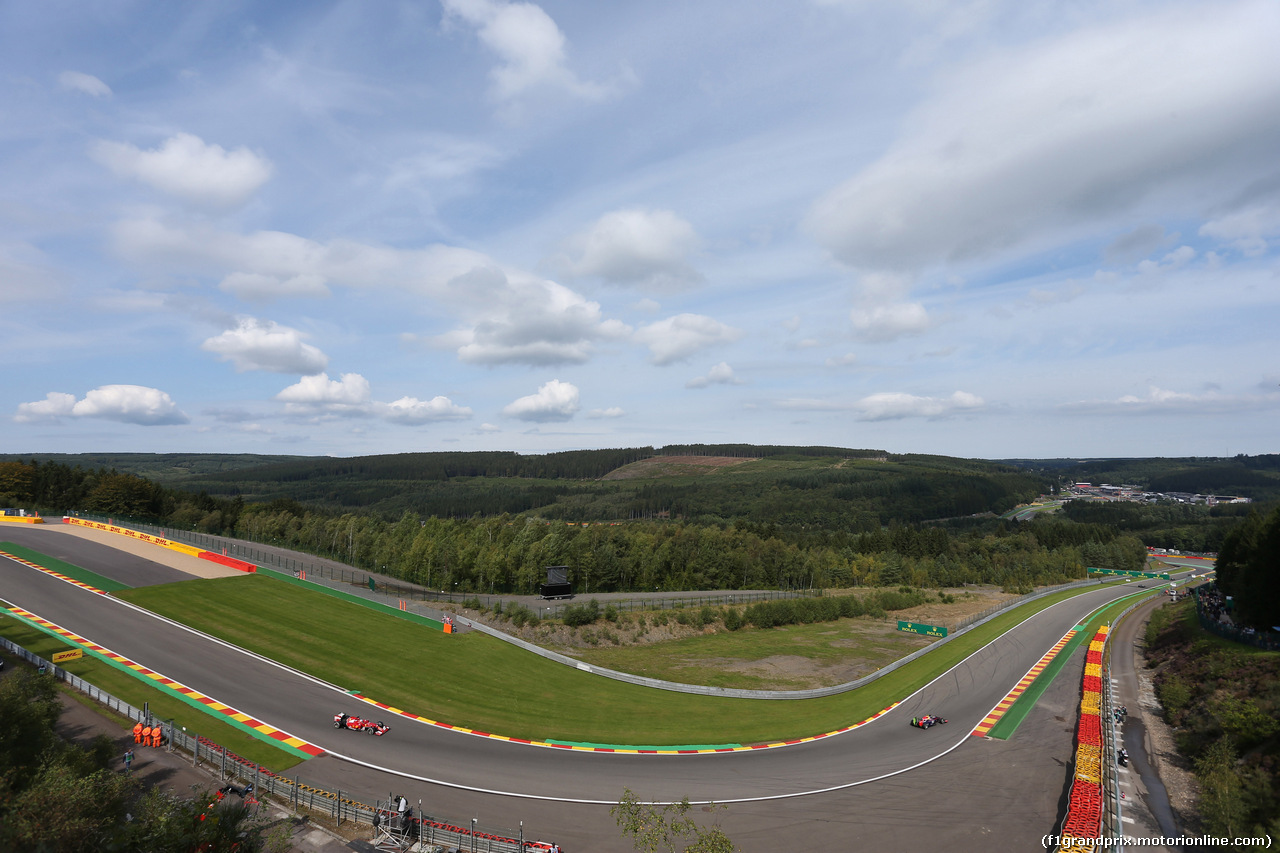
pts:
[660, 828]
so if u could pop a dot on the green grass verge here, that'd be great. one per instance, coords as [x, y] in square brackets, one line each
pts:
[137, 692]
[476, 681]
[75, 572]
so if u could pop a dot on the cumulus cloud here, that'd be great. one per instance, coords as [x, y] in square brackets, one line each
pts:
[78, 81]
[527, 321]
[320, 395]
[265, 345]
[881, 323]
[896, 406]
[1176, 259]
[131, 404]
[676, 338]
[643, 248]
[1247, 230]
[529, 45]
[554, 401]
[1057, 138]
[187, 167]
[411, 410]
[720, 374]
[508, 316]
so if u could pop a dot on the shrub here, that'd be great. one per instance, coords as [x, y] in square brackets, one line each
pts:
[611, 613]
[520, 615]
[732, 619]
[576, 615]
[708, 615]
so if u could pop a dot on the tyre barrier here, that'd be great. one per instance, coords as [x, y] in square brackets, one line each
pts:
[1090, 730]
[1085, 803]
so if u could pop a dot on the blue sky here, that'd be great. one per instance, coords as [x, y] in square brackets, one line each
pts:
[976, 228]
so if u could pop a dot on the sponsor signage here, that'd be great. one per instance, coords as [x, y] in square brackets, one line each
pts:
[917, 628]
[1152, 575]
[63, 657]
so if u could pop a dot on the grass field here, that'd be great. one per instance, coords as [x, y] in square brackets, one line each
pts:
[136, 692]
[792, 658]
[478, 682]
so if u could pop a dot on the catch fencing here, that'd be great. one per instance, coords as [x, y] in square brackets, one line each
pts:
[318, 569]
[293, 792]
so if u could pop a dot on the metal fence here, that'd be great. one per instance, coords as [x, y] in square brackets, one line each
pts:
[320, 569]
[294, 793]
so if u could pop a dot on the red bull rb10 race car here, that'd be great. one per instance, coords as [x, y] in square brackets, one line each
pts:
[360, 724]
[928, 721]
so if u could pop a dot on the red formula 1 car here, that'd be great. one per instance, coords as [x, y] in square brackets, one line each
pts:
[360, 724]
[928, 721]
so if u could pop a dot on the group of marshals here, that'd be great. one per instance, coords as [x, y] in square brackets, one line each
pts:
[148, 735]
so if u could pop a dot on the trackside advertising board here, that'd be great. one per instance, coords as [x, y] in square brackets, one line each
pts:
[917, 628]
[1163, 577]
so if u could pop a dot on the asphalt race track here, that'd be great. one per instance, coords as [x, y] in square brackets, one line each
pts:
[572, 790]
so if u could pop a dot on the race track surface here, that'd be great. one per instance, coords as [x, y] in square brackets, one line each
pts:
[471, 771]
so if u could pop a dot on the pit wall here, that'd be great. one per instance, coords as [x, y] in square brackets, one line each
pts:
[189, 550]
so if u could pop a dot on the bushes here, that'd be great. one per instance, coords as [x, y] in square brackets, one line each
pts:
[804, 611]
[577, 615]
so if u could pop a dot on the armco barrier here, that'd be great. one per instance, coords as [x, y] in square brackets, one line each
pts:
[287, 792]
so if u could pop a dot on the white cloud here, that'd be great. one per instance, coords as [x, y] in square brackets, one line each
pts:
[132, 404]
[643, 248]
[257, 287]
[1176, 259]
[55, 405]
[1063, 136]
[320, 395]
[528, 321]
[189, 168]
[1246, 230]
[676, 338]
[509, 316]
[554, 401]
[896, 406]
[528, 43]
[611, 412]
[1161, 401]
[411, 410]
[846, 360]
[264, 345]
[720, 374]
[882, 323]
[78, 81]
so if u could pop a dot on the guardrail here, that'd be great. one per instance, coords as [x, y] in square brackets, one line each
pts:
[292, 791]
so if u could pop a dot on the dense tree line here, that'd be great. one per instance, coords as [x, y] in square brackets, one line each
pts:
[1223, 701]
[1249, 569]
[797, 531]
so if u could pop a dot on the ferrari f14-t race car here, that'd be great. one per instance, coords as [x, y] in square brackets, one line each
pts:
[360, 724]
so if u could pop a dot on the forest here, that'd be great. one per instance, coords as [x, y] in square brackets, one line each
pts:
[764, 517]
